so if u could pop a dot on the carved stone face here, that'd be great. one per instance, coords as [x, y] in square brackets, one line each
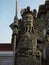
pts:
[28, 19]
[27, 22]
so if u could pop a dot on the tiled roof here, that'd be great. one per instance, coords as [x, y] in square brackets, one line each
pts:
[5, 47]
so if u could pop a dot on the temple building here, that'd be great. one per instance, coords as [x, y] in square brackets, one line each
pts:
[30, 38]
[6, 54]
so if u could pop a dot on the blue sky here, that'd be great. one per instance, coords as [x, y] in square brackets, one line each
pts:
[7, 13]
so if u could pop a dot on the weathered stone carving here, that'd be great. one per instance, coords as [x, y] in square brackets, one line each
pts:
[30, 38]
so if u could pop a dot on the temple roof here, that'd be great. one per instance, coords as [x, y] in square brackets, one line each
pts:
[5, 47]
